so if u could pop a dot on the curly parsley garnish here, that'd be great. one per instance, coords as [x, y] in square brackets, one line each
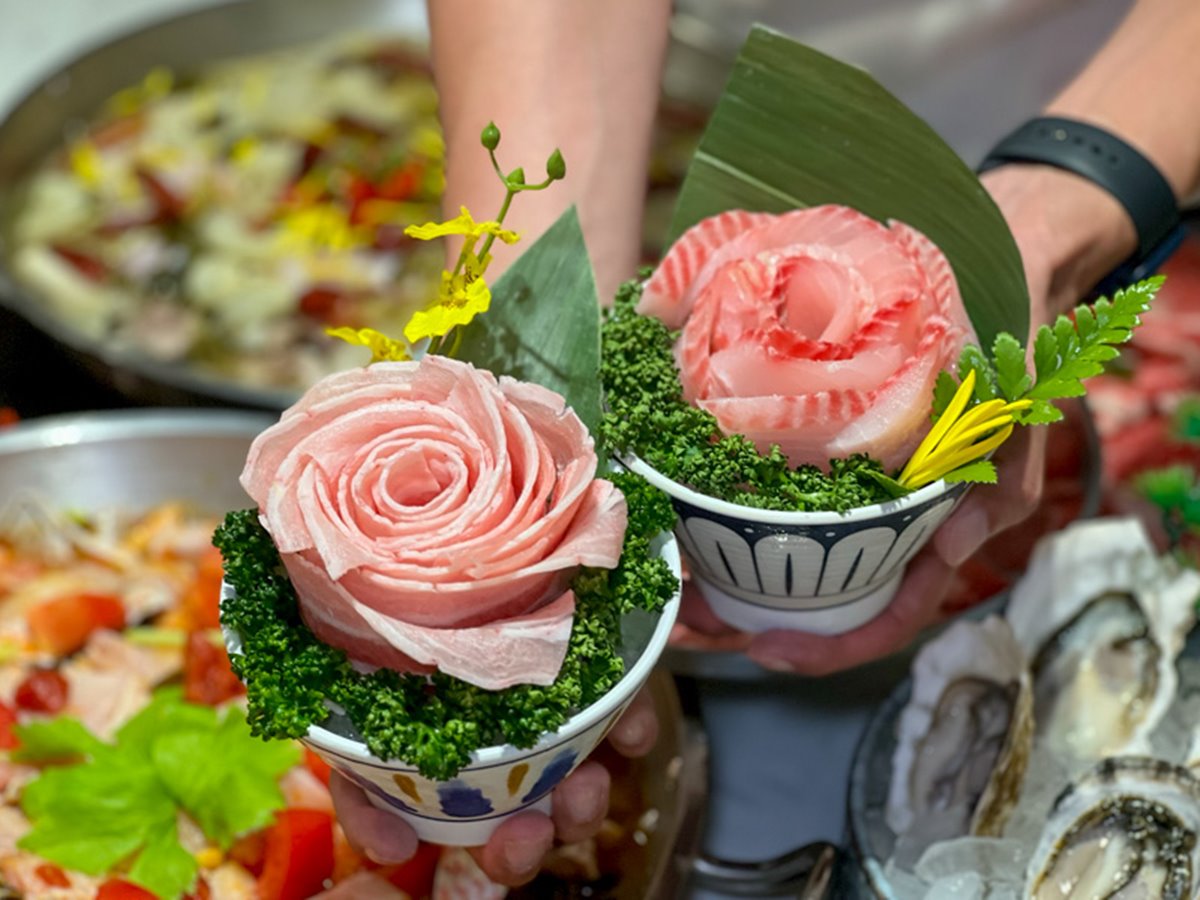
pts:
[433, 723]
[648, 416]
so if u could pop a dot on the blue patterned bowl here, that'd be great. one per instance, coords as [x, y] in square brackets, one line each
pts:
[500, 781]
[820, 572]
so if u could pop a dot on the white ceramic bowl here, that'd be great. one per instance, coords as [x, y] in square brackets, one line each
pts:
[820, 572]
[500, 781]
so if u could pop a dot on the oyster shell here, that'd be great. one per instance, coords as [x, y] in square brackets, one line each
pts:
[963, 740]
[1126, 829]
[1102, 620]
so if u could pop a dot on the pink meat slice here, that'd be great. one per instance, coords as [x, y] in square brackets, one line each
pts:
[525, 649]
[739, 235]
[669, 292]
[362, 886]
[458, 877]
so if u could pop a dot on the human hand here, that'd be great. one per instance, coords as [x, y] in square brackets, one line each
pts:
[513, 854]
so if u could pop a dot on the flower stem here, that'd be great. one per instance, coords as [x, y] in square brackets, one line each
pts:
[491, 238]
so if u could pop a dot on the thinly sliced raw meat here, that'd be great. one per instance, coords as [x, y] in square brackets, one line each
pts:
[668, 292]
[820, 330]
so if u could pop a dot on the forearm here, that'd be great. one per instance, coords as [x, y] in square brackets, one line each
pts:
[1143, 86]
[582, 76]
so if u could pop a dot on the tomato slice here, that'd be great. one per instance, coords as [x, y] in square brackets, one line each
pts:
[317, 766]
[85, 264]
[116, 889]
[63, 625]
[415, 877]
[52, 876]
[202, 601]
[299, 855]
[250, 851]
[8, 721]
[43, 690]
[207, 676]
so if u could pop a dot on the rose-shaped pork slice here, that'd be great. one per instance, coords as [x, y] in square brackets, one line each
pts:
[820, 330]
[413, 503]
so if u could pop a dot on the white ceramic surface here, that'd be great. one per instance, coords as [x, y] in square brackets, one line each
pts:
[500, 781]
[820, 572]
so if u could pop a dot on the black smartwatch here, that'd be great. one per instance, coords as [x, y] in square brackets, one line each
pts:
[1113, 165]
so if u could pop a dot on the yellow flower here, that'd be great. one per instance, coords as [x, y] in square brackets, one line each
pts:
[383, 348]
[460, 299]
[961, 435]
[156, 85]
[86, 163]
[463, 224]
[321, 226]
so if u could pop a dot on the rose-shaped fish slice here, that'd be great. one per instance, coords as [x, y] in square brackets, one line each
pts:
[668, 294]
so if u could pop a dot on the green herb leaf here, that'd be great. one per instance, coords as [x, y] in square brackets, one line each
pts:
[797, 128]
[163, 866]
[225, 778]
[123, 799]
[981, 471]
[944, 390]
[1084, 347]
[55, 740]
[543, 324]
[1009, 356]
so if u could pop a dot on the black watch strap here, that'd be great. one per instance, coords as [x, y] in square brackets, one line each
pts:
[1110, 163]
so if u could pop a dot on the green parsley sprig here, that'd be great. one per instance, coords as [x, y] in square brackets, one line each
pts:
[1064, 354]
[102, 804]
[434, 723]
[648, 415]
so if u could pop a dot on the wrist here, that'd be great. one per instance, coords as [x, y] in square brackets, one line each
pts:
[1070, 231]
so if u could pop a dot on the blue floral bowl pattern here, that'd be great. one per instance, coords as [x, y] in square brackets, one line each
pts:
[500, 781]
[819, 572]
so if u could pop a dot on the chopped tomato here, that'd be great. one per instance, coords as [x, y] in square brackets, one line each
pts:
[52, 876]
[64, 624]
[8, 721]
[8, 416]
[317, 766]
[43, 690]
[170, 205]
[202, 602]
[202, 892]
[118, 130]
[299, 855]
[346, 860]
[402, 183]
[207, 676]
[85, 264]
[415, 877]
[250, 851]
[322, 302]
[116, 889]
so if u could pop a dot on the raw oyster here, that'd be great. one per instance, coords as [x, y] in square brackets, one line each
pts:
[1126, 829]
[963, 740]
[1102, 620]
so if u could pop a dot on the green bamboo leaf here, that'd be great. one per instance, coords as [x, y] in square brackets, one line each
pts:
[796, 128]
[544, 322]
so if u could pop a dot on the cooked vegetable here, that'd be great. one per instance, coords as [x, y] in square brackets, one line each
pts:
[121, 800]
[299, 855]
[432, 723]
